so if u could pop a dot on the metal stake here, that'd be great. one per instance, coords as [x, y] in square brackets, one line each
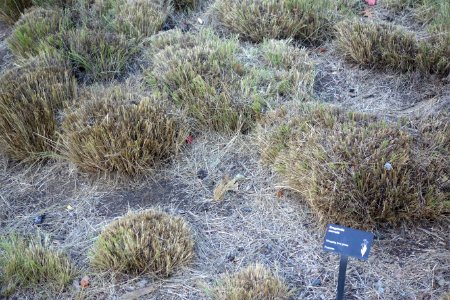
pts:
[341, 278]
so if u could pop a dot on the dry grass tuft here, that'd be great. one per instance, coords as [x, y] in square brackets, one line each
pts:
[185, 4]
[380, 45]
[97, 55]
[140, 18]
[253, 283]
[54, 3]
[30, 99]
[303, 20]
[221, 86]
[147, 242]
[390, 46]
[119, 132]
[354, 170]
[31, 264]
[136, 19]
[31, 32]
[10, 10]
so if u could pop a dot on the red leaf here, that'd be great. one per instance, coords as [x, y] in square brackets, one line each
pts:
[279, 193]
[190, 139]
[371, 2]
[84, 282]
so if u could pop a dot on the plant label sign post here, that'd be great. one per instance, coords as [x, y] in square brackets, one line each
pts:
[346, 242]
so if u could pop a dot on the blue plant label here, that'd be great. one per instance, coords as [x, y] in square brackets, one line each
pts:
[348, 241]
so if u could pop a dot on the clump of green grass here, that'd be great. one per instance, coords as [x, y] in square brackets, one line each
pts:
[30, 99]
[31, 32]
[115, 131]
[253, 283]
[355, 170]
[31, 263]
[388, 46]
[10, 10]
[149, 242]
[97, 55]
[303, 20]
[218, 85]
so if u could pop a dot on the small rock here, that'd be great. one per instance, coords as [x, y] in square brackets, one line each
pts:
[200, 21]
[39, 219]
[246, 209]
[316, 282]
[202, 174]
[240, 249]
[388, 166]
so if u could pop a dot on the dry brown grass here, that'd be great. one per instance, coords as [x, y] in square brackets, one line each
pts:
[306, 21]
[352, 169]
[147, 242]
[32, 263]
[114, 131]
[31, 97]
[385, 45]
[140, 18]
[252, 283]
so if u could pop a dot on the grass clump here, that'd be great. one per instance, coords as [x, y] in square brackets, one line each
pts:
[388, 46]
[253, 283]
[148, 242]
[97, 55]
[304, 20]
[140, 18]
[119, 132]
[10, 10]
[219, 85]
[380, 45]
[31, 32]
[31, 263]
[355, 170]
[135, 19]
[30, 99]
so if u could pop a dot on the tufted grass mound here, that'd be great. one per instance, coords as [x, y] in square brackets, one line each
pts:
[355, 170]
[32, 263]
[385, 45]
[135, 19]
[147, 242]
[96, 55]
[221, 86]
[10, 10]
[31, 97]
[253, 283]
[304, 20]
[140, 18]
[114, 131]
[31, 32]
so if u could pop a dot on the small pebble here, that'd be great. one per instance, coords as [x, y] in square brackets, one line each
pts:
[316, 282]
[202, 174]
[387, 166]
[246, 209]
[39, 219]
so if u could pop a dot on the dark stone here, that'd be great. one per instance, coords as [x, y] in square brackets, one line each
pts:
[202, 174]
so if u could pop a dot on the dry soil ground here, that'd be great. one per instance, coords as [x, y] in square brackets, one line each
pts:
[255, 224]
